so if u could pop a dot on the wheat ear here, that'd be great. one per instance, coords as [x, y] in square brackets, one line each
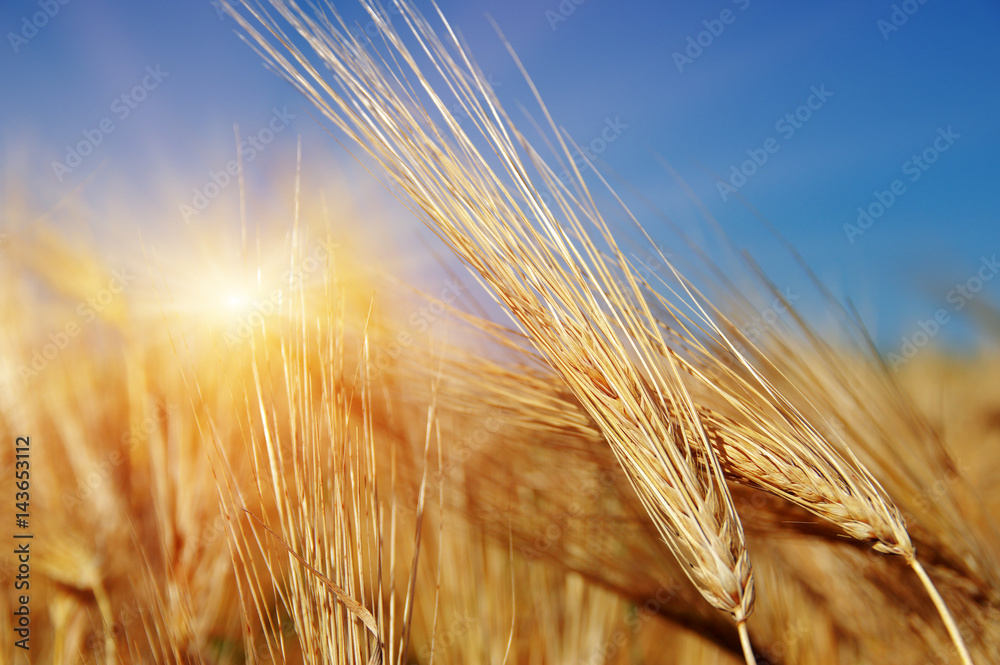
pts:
[560, 293]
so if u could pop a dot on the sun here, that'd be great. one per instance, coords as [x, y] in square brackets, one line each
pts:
[237, 300]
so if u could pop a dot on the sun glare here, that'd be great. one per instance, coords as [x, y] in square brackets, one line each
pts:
[237, 300]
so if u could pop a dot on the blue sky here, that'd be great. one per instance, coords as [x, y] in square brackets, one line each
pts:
[887, 96]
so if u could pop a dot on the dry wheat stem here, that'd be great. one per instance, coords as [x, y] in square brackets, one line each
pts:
[749, 457]
[587, 317]
[540, 275]
[942, 608]
[755, 459]
[840, 490]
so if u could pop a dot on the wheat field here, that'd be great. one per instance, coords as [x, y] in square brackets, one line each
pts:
[565, 451]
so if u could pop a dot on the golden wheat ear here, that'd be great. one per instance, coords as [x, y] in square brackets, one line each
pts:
[768, 443]
[776, 447]
[559, 291]
[586, 316]
[767, 440]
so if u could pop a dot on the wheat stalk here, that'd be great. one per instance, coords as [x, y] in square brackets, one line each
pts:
[554, 288]
[770, 445]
